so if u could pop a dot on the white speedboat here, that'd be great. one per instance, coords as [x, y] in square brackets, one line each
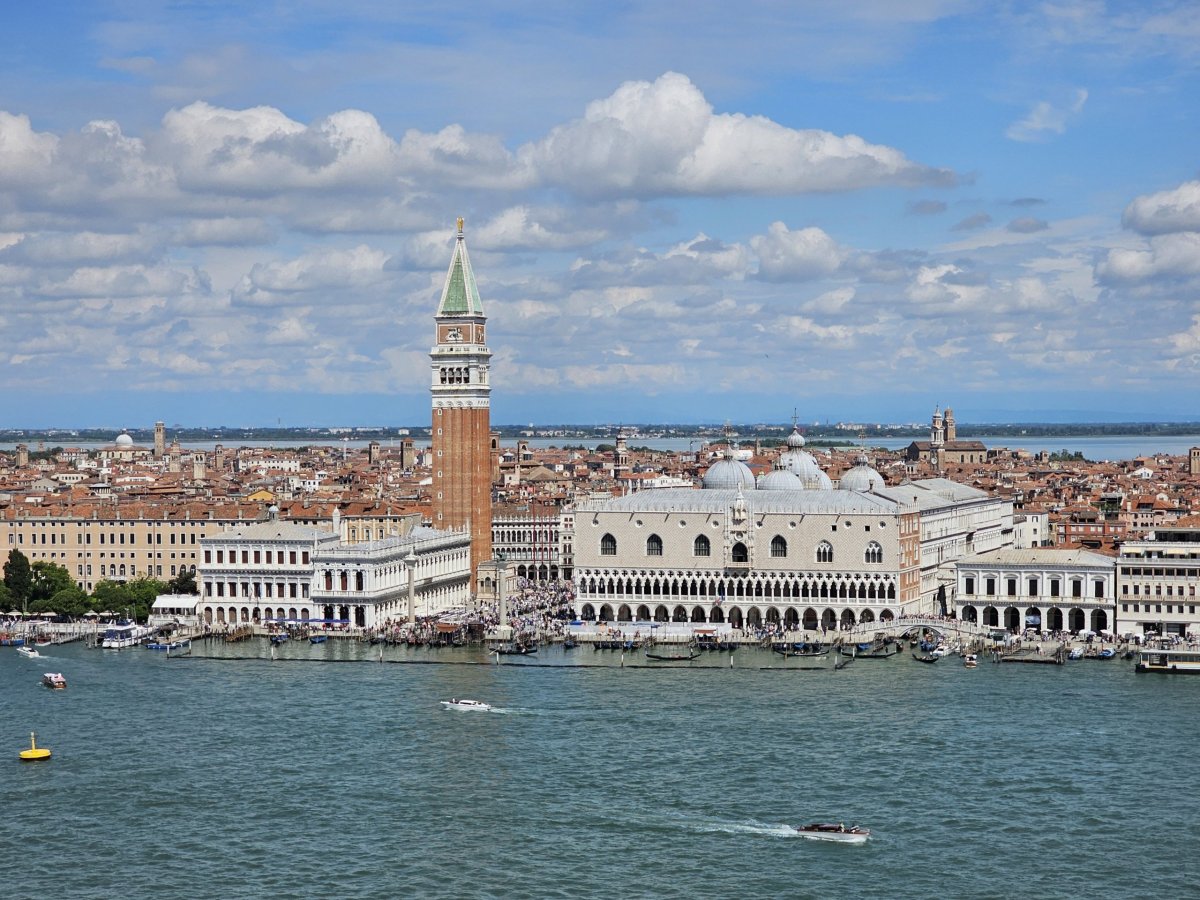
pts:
[476, 705]
[123, 635]
[28, 652]
[826, 831]
[1076, 653]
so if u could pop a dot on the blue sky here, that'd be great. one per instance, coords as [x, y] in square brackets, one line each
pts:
[228, 213]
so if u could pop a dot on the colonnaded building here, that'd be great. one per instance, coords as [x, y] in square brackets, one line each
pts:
[279, 571]
[786, 549]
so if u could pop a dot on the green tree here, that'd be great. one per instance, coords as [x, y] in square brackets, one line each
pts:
[48, 579]
[71, 601]
[110, 596]
[183, 583]
[6, 598]
[18, 576]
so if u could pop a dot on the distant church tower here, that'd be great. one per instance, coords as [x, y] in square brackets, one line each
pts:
[462, 469]
[160, 440]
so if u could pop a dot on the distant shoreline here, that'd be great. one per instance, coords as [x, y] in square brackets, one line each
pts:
[822, 435]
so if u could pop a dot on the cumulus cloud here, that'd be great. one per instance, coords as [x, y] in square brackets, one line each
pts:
[1047, 119]
[1169, 255]
[785, 255]
[664, 138]
[1177, 209]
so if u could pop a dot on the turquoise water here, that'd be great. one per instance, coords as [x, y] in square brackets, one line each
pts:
[329, 774]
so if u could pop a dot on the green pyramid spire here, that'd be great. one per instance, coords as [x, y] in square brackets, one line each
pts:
[460, 296]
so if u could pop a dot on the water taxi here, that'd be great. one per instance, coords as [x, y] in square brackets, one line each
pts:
[29, 652]
[970, 661]
[1169, 660]
[825, 831]
[54, 681]
[473, 705]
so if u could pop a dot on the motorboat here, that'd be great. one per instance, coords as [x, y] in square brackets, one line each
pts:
[1107, 653]
[34, 753]
[1168, 660]
[940, 650]
[318, 638]
[1075, 653]
[176, 646]
[54, 681]
[970, 661]
[123, 635]
[826, 831]
[28, 652]
[281, 637]
[468, 705]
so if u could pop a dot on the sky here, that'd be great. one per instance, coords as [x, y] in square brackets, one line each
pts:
[242, 213]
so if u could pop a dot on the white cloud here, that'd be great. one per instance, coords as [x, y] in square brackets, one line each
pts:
[663, 137]
[1175, 210]
[1169, 255]
[1047, 118]
[785, 255]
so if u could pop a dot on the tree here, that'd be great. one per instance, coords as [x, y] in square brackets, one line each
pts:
[48, 579]
[183, 583]
[71, 601]
[136, 597]
[18, 576]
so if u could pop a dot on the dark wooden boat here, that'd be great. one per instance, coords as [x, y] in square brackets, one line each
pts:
[925, 659]
[672, 657]
[515, 650]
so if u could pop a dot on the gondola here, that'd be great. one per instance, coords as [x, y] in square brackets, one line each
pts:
[925, 659]
[515, 650]
[672, 657]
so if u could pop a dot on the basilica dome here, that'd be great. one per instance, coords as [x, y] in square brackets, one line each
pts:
[802, 464]
[862, 477]
[124, 440]
[780, 479]
[728, 473]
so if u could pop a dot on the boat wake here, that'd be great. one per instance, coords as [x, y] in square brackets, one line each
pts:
[749, 826]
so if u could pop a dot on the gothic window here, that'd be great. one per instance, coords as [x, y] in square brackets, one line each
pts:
[778, 547]
[654, 545]
[701, 547]
[739, 553]
[608, 545]
[824, 552]
[874, 553]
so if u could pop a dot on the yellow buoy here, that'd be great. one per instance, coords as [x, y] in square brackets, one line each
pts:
[34, 753]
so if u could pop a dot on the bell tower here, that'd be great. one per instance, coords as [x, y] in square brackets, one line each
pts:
[461, 394]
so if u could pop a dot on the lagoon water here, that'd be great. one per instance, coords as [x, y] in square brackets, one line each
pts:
[328, 774]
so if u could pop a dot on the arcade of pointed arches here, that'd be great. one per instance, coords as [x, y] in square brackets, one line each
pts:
[790, 617]
[632, 585]
[785, 599]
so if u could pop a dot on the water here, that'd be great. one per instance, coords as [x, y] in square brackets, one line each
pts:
[1097, 449]
[311, 778]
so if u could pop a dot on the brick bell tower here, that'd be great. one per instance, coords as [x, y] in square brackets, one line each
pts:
[462, 463]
